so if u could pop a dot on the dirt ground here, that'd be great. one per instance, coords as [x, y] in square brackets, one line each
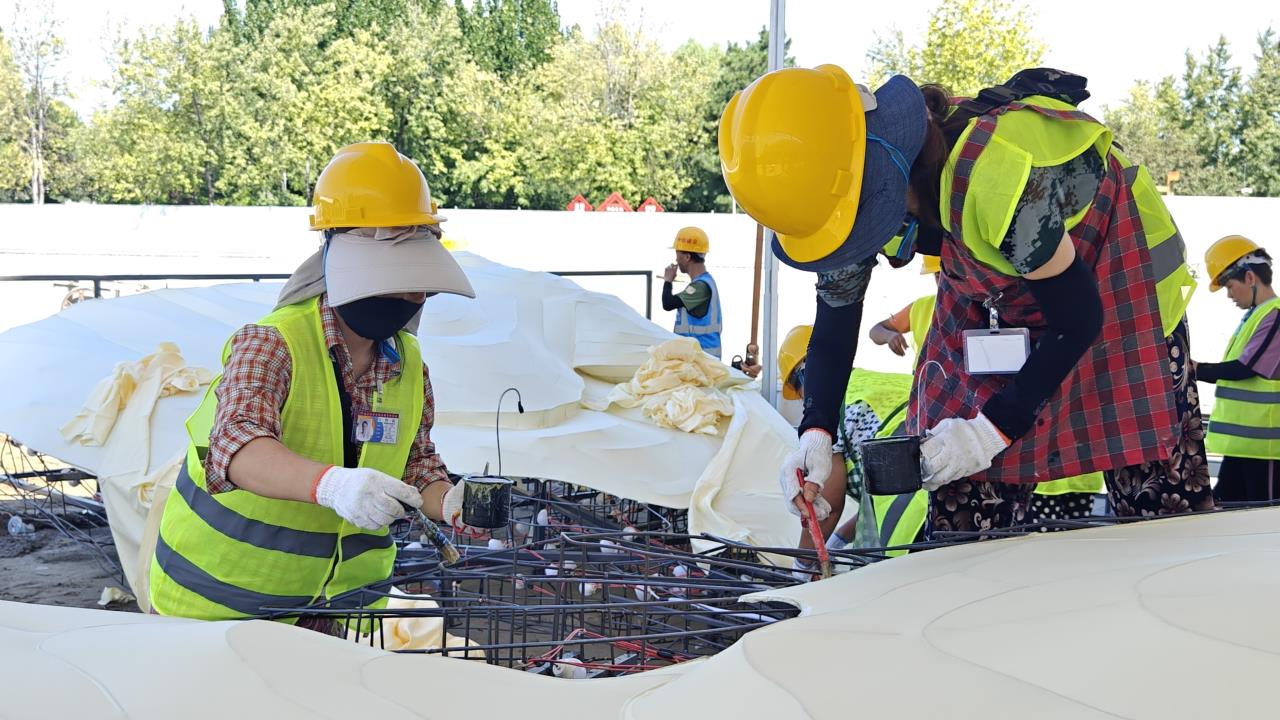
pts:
[50, 568]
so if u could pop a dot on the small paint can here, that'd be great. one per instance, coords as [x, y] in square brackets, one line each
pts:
[891, 465]
[486, 501]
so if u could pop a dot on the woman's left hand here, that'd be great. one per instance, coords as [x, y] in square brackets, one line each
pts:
[959, 448]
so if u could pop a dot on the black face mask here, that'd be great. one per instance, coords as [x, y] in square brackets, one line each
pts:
[377, 318]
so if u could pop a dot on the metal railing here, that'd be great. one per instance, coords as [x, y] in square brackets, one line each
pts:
[97, 280]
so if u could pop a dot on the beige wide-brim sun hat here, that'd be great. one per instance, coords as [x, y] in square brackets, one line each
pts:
[357, 268]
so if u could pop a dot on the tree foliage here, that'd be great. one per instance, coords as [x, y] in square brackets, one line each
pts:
[969, 45]
[1217, 130]
[500, 107]
[508, 37]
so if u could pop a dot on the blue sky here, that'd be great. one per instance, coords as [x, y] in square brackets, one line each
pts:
[1142, 40]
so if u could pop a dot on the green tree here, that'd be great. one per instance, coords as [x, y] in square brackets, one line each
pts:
[1148, 128]
[613, 113]
[739, 65]
[969, 45]
[1211, 93]
[1260, 120]
[508, 37]
[39, 51]
[249, 19]
[15, 164]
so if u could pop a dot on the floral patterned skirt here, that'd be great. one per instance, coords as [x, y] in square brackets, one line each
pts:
[1179, 484]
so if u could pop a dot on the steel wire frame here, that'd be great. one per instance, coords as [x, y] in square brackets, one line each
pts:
[47, 505]
[616, 602]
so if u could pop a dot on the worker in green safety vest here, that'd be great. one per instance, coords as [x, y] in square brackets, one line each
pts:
[1245, 427]
[316, 436]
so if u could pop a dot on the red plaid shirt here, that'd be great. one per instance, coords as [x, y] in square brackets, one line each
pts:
[255, 383]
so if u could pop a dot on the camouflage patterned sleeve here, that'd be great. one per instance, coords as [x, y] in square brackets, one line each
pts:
[847, 285]
[1052, 195]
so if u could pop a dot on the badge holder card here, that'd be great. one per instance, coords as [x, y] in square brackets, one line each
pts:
[1001, 351]
[995, 350]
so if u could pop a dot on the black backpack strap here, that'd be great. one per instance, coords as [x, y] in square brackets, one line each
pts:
[1065, 86]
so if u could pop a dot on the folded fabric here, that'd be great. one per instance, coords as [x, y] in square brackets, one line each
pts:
[415, 633]
[161, 374]
[676, 387]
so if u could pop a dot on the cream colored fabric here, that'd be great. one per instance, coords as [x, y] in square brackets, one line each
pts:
[414, 633]
[565, 348]
[118, 417]
[1077, 624]
[676, 387]
[160, 374]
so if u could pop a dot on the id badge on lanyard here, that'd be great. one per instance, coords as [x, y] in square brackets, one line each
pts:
[994, 350]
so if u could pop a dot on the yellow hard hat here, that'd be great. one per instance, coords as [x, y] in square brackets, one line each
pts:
[692, 239]
[792, 147]
[932, 264]
[371, 185]
[453, 244]
[790, 354]
[1223, 254]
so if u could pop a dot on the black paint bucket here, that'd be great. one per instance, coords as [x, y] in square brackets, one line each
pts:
[486, 502]
[891, 465]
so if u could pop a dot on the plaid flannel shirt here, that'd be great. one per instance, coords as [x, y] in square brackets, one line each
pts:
[255, 383]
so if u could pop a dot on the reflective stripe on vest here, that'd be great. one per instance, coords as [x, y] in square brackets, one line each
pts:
[1246, 414]
[241, 600]
[1025, 138]
[900, 518]
[224, 555]
[706, 329]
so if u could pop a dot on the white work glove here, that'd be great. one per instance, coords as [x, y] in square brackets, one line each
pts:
[813, 458]
[451, 504]
[958, 448]
[365, 497]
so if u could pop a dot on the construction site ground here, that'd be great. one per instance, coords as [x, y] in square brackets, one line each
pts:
[50, 568]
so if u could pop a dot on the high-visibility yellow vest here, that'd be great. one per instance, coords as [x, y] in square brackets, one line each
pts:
[231, 554]
[1024, 139]
[1246, 413]
[921, 318]
[898, 517]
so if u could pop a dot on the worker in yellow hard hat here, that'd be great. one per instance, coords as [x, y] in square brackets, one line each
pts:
[697, 306]
[1059, 251]
[1245, 427]
[317, 434]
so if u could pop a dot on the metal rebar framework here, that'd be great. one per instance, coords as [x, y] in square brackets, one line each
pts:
[38, 489]
[592, 603]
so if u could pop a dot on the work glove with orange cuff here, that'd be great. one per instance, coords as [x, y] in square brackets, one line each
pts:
[813, 459]
[958, 448]
[364, 497]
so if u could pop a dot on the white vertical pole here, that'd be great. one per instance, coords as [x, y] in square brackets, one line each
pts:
[769, 345]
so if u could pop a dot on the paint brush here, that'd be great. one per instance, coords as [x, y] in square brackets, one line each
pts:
[448, 553]
[815, 530]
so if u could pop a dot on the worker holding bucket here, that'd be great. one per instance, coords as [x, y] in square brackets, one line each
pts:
[1060, 318]
[316, 436]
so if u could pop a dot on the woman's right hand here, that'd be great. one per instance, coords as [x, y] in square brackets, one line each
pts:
[813, 461]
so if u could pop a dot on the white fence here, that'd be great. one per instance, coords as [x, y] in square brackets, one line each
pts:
[106, 239]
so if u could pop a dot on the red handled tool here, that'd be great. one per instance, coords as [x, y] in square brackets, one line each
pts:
[815, 530]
